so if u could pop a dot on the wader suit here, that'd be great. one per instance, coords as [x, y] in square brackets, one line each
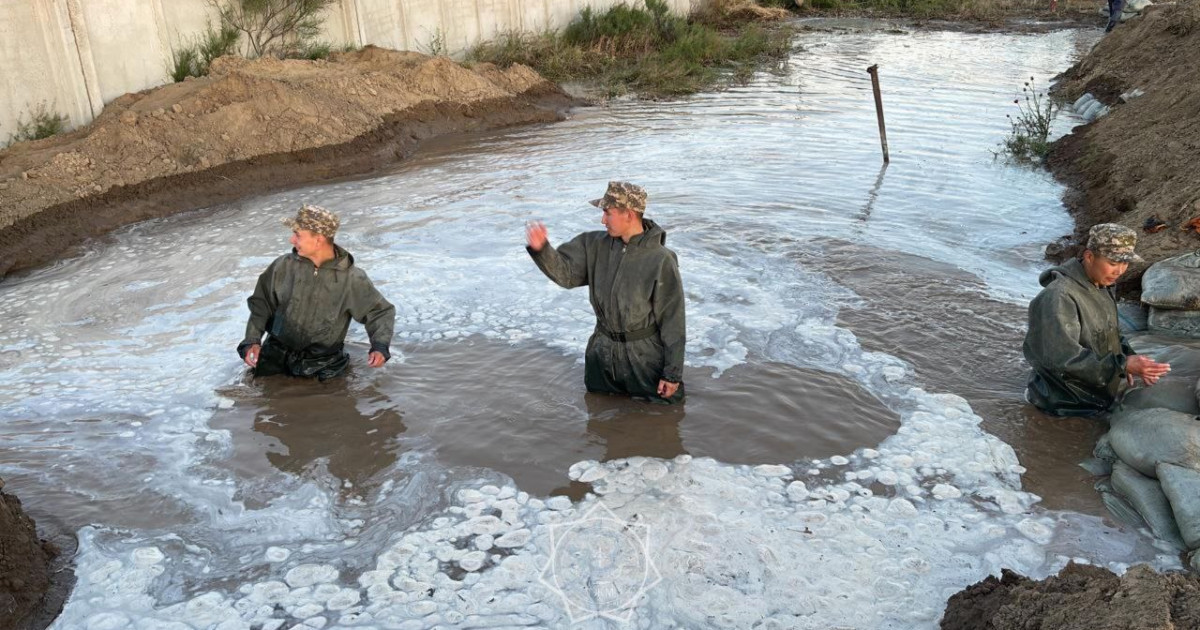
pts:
[637, 295]
[1074, 345]
[306, 311]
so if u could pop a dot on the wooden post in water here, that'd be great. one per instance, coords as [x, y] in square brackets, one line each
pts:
[874, 72]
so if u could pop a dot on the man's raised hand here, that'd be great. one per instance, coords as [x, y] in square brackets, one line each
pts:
[535, 235]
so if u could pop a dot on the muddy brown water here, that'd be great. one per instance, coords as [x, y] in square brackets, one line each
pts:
[914, 306]
[530, 418]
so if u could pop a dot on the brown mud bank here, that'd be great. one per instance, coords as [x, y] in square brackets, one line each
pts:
[248, 128]
[1080, 597]
[1137, 163]
[34, 582]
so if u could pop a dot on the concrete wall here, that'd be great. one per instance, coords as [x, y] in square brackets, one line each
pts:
[76, 55]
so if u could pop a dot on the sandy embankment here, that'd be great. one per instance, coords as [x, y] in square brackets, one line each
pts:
[1140, 160]
[247, 128]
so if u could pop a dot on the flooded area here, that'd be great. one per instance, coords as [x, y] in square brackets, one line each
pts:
[854, 447]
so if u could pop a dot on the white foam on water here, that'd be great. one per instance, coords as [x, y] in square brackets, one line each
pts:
[735, 546]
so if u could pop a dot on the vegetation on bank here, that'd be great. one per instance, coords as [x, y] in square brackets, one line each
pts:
[1029, 138]
[277, 28]
[42, 122]
[647, 50]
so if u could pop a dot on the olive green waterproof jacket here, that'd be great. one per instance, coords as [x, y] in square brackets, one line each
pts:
[307, 310]
[637, 294]
[1074, 345]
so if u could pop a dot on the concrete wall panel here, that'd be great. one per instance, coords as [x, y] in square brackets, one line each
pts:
[423, 23]
[40, 64]
[497, 17]
[130, 48]
[383, 23]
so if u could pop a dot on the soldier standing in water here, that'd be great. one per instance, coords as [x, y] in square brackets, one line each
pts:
[635, 290]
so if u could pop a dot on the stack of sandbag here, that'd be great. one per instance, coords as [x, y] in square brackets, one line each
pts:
[1171, 288]
[1154, 448]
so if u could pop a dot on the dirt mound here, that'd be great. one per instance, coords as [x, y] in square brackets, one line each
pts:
[248, 127]
[1080, 597]
[722, 12]
[24, 563]
[1138, 162]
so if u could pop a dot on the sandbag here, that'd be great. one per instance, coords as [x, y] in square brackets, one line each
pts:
[1173, 283]
[1117, 506]
[1146, 496]
[1143, 438]
[1173, 394]
[1174, 323]
[1100, 464]
[1182, 487]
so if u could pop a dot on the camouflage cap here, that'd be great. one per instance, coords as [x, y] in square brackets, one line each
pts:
[314, 219]
[622, 195]
[1114, 242]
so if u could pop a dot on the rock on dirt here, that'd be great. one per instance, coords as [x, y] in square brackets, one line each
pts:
[1139, 161]
[1080, 597]
[247, 128]
[24, 563]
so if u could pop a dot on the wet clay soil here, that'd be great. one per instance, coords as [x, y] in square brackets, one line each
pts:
[1080, 597]
[34, 576]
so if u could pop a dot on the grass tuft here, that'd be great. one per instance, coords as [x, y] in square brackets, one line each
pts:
[648, 50]
[41, 123]
[194, 59]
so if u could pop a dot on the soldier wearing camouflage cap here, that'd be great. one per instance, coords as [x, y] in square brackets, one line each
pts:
[1081, 364]
[635, 291]
[305, 300]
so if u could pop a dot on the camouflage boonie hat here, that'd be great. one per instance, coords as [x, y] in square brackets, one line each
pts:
[314, 219]
[622, 195]
[1114, 242]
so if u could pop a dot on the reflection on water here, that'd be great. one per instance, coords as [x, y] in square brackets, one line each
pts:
[341, 427]
[918, 309]
[531, 419]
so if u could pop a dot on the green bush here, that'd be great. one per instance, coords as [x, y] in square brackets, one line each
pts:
[194, 60]
[316, 50]
[280, 28]
[42, 123]
[183, 63]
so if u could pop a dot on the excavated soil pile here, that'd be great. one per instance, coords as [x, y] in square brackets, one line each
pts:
[248, 127]
[24, 563]
[1139, 161]
[1080, 597]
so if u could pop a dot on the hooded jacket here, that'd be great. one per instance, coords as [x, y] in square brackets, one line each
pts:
[633, 288]
[307, 310]
[1074, 344]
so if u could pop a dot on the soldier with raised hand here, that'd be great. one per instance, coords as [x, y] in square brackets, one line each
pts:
[305, 300]
[1081, 364]
[635, 290]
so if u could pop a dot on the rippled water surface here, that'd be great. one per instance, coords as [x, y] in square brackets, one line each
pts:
[853, 354]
